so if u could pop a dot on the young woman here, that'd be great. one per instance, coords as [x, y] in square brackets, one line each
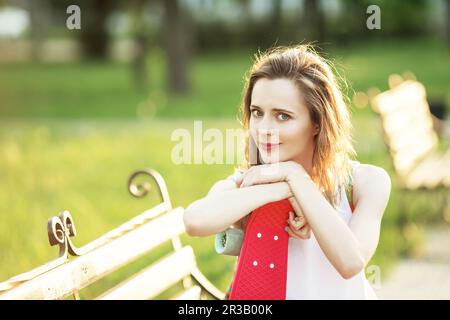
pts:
[299, 124]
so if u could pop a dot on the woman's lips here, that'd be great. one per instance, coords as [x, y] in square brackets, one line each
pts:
[269, 146]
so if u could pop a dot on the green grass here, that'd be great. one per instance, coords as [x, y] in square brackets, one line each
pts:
[70, 134]
[107, 90]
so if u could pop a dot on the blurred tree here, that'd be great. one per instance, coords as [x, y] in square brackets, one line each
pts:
[275, 20]
[40, 13]
[245, 25]
[39, 22]
[141, 35]
[398, 19]
[177, 39]
[263, 31]
[404, 18]
[447, 21]
[313, 22]
[351, 23]
[94, 35]
[245, 6]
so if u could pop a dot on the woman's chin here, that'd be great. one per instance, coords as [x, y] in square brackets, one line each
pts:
[268, 159]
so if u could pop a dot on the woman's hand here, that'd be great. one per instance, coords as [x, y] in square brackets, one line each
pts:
[297, 227]
[270, 173]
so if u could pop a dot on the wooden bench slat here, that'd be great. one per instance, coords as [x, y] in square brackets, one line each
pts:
[430, 173]
[404, 161]
[398, 120]
[416, 148]
[401, 98]
[84, 270]
[412, 136]
[398, 124]
[424, 174]
[156, 278]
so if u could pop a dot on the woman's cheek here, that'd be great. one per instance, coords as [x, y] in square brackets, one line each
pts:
[252, 131]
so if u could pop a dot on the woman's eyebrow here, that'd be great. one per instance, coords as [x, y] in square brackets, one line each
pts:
[274, 109]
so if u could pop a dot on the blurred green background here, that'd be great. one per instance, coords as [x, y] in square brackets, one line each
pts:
[81, 109]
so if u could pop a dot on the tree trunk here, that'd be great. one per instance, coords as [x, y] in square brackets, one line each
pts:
[39, 21]
[447, 21]
[141, 40]
[94, 36]
[313, 21]
[275, 21]
[176, 45]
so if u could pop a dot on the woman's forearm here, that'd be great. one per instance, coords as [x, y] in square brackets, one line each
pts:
[335, 238]
[216, 212]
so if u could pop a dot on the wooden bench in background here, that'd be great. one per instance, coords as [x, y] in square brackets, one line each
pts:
[64, 277]
[412, 141]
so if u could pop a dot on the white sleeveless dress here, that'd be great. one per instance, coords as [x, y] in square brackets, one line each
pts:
[311, 276]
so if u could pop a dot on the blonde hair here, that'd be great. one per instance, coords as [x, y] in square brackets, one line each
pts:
[326, 105]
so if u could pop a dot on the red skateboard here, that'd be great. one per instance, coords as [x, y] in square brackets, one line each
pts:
[262, 264]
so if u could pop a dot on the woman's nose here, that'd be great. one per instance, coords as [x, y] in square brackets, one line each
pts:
[268, 134]
[267, 129]
[266, 125]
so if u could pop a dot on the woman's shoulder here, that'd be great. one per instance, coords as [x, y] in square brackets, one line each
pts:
[366, 171]
[368, 177]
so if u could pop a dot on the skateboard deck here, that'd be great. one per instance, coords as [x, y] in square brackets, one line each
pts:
[262, 264]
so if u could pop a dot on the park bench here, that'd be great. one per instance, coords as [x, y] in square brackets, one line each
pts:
[411, 138]
[64, 277]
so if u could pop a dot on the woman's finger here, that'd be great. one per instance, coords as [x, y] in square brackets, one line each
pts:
[291, 233]
[248, 177]
[291, 216]
[296, 207]
[261, 174]
[239, 180]
[299, 222]
[296, 222]
[247, 180]
[251, 178]
[305, 231]
[295, 234]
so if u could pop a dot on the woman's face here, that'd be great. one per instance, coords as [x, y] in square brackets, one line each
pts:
[280, 122]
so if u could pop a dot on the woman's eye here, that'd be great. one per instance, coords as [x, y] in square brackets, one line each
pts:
[283, 116]
[256, 113]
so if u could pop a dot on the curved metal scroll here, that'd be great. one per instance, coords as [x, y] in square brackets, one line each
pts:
[59, 230]
[140, 190]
